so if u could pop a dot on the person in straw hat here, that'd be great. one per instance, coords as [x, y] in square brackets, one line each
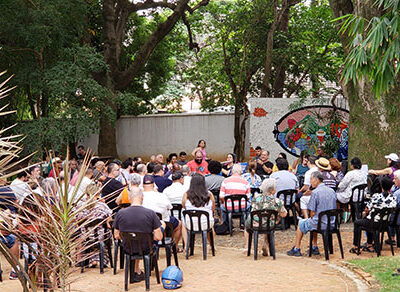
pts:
[325, 168]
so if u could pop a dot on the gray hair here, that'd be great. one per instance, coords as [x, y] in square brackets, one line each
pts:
[135, 179]
[318, 175]
[397, 174]
[268, 185]
[185, 169]
[237, 169]
[141, 168]
[134, 193]
[49, 185]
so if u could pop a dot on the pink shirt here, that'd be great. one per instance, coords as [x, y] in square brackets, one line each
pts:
[201, 168]
[235, 185]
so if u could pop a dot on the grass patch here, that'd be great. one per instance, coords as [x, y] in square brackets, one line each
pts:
[382, 269]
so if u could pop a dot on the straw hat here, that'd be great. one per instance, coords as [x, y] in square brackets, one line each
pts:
[323, 163]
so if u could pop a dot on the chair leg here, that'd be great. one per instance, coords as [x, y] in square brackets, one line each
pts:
[192, 240]
[175, 252]
[127, 271]
[156, 269]
[115, 256]
[1, 274]
[339, 238]
[255, 245]
[109, 251]
[121, 255]
[397, 236]
[326, 245]
[283, 223]
[147, 268]
[101, 255]
[204, 241]
[271, 240]
[131, 270]
[212, 243]
[168, 254]
[188, 244]
[391, 243]
[377, 243]
[230, 223]
[310, 245]
[249, 243]
[294, 217]
[330, 241]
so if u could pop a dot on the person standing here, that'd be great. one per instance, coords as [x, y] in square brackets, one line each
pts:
[201, 146]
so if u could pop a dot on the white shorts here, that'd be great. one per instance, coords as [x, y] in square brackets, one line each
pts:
[304, 202]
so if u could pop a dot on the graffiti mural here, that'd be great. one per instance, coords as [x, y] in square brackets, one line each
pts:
[312, 127]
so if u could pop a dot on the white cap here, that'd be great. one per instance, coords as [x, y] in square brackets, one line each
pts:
[393, 157]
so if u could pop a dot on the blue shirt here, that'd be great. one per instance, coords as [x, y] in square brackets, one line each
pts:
[162, 182]
[7, 199]
[322, 199]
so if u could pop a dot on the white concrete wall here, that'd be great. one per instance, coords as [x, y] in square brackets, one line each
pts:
[166, 133]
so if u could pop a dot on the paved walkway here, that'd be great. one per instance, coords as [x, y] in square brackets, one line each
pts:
[229, 270]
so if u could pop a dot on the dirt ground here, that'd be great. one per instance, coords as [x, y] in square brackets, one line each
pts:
[232, 270]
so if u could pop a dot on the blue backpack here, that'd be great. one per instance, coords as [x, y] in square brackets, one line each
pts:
[172, 278]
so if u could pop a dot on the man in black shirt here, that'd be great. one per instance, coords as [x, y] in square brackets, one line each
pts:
[264, 166]
[111, 187]
[137, 219]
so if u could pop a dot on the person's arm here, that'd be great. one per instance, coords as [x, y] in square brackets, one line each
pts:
[267, 169]
[283, 211]
[385, 171]
[117, 234]
[225, 171]
[312, 213]
[157, 234]
[194, 151]
[222, 193]
[212, 200]
[184, 198]
[118, 200]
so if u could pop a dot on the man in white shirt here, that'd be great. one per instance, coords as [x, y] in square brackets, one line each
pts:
[159, 203]
[20, 186]
[186, 177]
[86, 180]
[141, 169]
[285, 180]
[175, 191]
[305, 191]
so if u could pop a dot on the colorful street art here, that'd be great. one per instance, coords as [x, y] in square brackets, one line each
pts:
[312, 127]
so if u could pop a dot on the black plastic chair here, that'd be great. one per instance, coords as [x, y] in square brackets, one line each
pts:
[217, 201]
[168, 242]
[143, 242]
[393, 224]
[118, 245]
[253, 191]
[176, 211]
[328, 231]
[240, 212]
[289, 198]
[95, 226]
[357, 201]
[1, 273]
[300, 178]
[379, 228]
[191, 232]
[265, 217]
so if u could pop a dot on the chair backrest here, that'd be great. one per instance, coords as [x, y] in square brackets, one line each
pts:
[300, 178]
[169, 227]
[266, 220]
[395, 219]
[255, 190]
[178, 209]
[358, 193]
[142, 241]
[94, 226]
[197, 214]
[331, 215]
[229, 203]
[381, 218]
[288, 196]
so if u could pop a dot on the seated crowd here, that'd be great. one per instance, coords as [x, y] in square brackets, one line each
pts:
[139, 196]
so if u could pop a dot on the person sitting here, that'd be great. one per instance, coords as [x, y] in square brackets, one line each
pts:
[123, 199]
[171, 160]
[300, 166]
[252, 177]
[285, 180]
[322, 199]
[378, 201]
[182, 158]
[175, 191]
[112, 187]
[284, 156]
[198, 198]
[265, 201]
[325, 168]
[214, 179]
[393, 163]
[186, 176]
[264, 166]
[8, 239]
[161, 178]
[396, 193]
[336, 169]
[20, 186]
[99, 171]
[86, 180]
[159, 203]
[234, 185]
[305, 191]
[136, 218]
[227, 166]
[352, 178]
[198, 165]
[8, 199]
[126, 171]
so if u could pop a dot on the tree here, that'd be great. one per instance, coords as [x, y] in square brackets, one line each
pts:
[370, 42]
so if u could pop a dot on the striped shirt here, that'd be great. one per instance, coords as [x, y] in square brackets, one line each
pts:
[235, 185]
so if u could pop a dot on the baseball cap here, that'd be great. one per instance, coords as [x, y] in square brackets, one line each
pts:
[393, 157]
[148, 179]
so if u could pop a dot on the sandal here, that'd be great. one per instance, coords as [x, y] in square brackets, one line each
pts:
[354, 250]
[368, 248]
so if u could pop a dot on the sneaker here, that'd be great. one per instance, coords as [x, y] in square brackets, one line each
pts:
[294, 252]
[389, 241]
[13, 275]
[315, 250]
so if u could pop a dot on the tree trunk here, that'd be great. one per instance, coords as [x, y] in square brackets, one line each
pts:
[107, 138]
[373, 126]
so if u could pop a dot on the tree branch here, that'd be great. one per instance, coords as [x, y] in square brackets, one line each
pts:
[200, 4]
[147, 4]
[192, 45]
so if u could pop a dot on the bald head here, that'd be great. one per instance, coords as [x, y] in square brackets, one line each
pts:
[237, 169]
[135, 196]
